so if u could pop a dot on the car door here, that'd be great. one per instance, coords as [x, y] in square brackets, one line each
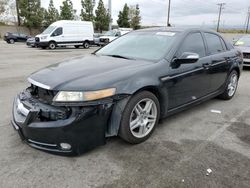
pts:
[23, 38]
[220, 57]
[189, 82]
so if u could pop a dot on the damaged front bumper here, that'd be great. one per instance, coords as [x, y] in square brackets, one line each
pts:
[64, 130]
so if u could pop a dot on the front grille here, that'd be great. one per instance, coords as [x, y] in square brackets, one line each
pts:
[246, 55]
[37, 39]
[104, 40]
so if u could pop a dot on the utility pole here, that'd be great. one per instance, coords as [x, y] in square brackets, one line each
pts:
[221, 6]
[110, 14]
[248, 19]
[168, 23]
[18, 14]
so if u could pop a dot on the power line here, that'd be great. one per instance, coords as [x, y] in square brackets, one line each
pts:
[221, 6]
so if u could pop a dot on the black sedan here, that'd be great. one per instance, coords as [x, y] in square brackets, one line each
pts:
[11, 38]
[124, 88]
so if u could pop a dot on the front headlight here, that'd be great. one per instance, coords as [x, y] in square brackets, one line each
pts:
[44, 37]
[78, 96]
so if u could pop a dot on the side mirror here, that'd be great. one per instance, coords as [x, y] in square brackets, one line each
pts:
[187, 57]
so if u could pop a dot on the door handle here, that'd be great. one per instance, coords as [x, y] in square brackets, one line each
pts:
[206, 66]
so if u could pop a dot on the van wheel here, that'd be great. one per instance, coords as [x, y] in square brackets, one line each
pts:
[52, 45]
[140, 117]
[86, 45]
[77, 46]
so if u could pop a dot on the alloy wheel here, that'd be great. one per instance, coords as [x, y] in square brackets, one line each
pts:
[12, 41]
[232, 86]
[143, 118]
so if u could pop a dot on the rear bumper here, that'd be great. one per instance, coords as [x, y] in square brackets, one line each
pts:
[83, 129]
[30, 43]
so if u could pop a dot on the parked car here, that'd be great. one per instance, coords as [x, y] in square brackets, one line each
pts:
[11, 38]
[66, 33]
[124, 88]
[31, 42]
[97, 38]
[244, 45]
[112, 35]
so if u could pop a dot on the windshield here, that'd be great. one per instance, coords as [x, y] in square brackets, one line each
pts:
[150, 46]
[110, 33]
[244, 41]
[49, 30]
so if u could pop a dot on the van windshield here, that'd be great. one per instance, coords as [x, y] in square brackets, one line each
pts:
[151, 46]
[49, 30]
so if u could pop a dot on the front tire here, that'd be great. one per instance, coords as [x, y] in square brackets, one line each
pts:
[140, 117]
[231, 86]
[52, 45]
[12, 41]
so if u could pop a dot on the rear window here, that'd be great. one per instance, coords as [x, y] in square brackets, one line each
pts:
[214, 43]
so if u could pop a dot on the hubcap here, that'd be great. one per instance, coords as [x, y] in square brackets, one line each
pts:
[52, 46]
[143, 118]
[232, 85]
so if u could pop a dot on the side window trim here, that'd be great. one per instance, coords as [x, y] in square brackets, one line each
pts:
[223, 44]
[190, 33]
[209, 53]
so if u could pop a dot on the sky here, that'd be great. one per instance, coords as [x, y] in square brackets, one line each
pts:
[183, 12]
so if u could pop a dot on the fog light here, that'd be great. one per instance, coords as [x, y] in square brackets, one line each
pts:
[65, 146]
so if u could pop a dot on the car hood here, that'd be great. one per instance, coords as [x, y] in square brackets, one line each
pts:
[244, 49]
[87, 73]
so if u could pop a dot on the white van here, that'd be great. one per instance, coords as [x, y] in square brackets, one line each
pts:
[112, 35]
[66, 33]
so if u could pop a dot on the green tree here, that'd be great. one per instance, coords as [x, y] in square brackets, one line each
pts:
[3, 4]
[102, 17]
[51, 15]
[87, 10]
[134, 17]
[123, 17]
[67, 11]
[31, 13]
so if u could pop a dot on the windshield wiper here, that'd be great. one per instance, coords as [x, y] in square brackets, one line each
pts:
[120, 56]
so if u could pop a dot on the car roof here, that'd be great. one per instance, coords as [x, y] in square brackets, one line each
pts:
[176, 29]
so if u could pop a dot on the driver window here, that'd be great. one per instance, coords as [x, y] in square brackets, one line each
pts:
[57, 32]
[193, 43]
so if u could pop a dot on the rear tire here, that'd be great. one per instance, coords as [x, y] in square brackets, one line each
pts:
[77, 46]
[231, 86]
[140, 117]
[86, 45]
[52, 45]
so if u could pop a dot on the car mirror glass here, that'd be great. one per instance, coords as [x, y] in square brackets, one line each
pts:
[187, 57]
